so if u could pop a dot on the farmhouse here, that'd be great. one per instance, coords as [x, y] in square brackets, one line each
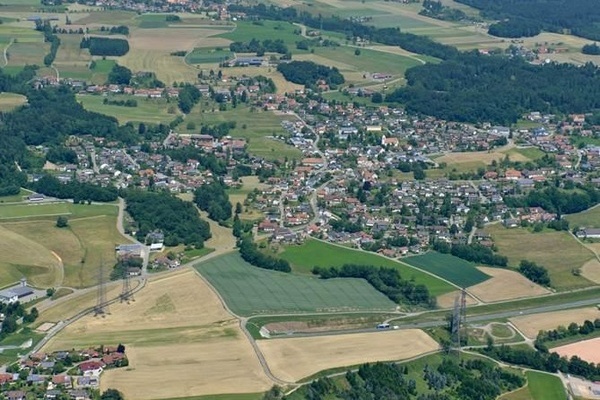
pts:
[129, 250]
[91, 368]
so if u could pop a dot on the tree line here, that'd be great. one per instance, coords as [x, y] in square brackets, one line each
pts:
[177, 219]
[556, 200]
[78, 191]
[385, 280]
[101, 46]
[49, 37]
[308, 73]
[258, 47]
[573, 330]
[471, 252]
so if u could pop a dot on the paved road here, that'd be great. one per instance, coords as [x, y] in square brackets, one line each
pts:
[146, 252]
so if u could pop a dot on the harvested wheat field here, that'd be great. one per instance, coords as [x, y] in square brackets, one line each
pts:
[530, 325]
[180, 342]
[505, 285]
[588, 350]
[447, 300]
[591, 270]
[478, 156]
[297, 358]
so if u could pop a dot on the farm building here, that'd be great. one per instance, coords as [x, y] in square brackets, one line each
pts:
[129, 250]
[35, 197]
[590, 233]
[14, 294]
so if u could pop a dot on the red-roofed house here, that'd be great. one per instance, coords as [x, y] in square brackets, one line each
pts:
[91, 368]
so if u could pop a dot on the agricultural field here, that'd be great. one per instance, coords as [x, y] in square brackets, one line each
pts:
[256, 126]
[316, 253]
[246, 30]
[292, 359]
[456, 270]
[505, 285]
[588, 350]
[589, 218]
[179, 340]
[559, 252]
[71, 256]
[148, 110]
[471, 161]
[10, 101]
[530, 325]
[71, 60]
[249, 290]
[208, 56]
[540, 386]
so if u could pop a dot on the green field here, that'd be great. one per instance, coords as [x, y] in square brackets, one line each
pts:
[266, 30]
[586, 219]
[533, 153]
[453, 269]
[208, 56]
[17, 211]
[17, 197]
[254, 126]
[559, 252]
[540, 386]
[249, 290]
[316, 253]
[148, 110]
[10, 101]
[239, 396]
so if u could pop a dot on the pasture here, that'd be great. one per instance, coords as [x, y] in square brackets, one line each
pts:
[250, 290]
[292, 359]
[147, 110]
[530, 325]
[316, 253]
[208, 56]
[559, 252]
[180, 342]
[540, 386]
[456, 270]
[10, 101]
[588, 350]
[256, 126]
[71, 60]
[505, 284]
[589, 218]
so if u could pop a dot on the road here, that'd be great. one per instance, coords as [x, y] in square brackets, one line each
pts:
[94, 163]
[6, 52]
[120, 228]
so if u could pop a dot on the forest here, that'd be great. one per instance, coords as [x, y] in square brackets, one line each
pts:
[385, 280]
[101, 46]
[308, 73]
[480, 88]
[213, 199]
[449, 380]
[177, 219]
[78, 191]
[530, 17]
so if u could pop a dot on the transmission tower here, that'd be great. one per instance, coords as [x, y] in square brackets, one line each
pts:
[101, 303]
[459, 319]
[126, 294]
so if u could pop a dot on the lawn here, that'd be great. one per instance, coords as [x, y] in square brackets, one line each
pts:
[257, 127]
[10, 101]
[249, 290]
[540, 386]
[559, 252]
[208, 56]
[148, 110]
[453, 269]
[589, 218]
[316, 253]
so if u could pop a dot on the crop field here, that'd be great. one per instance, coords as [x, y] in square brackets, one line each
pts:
[530, 325]
[23, 53]
[586, 219]
[75, 253]
[246, 30]
[588, 350]
[147, 110]
[208, 56]
[249, 290]
[10, 101]
[71, 60]
[316, 253]
[257, 127]
[540, 386]
[456, 270]
[559, 252]
[468, 161]
[179, 340]
[505, 285]
[292, 359]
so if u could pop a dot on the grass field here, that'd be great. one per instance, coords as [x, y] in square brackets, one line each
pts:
[10, 101]
[249, 290]
[453, 269]
[540, 386]
[297, 358]
[148, 110]
[316, 253]
[208, 56]
[589, 218]
[180, 342]
[254, 126]
[246, 30]
[559, 252]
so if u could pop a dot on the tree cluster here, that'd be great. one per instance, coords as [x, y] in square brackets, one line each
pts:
[587, 328]
[385, 280]
[258, 47]
[122, 266]
[591, 49]
[308, 73]
[252, 255]
[60, 154]
[210, 162]
[531, 16]
[219, 130]
[120, 103]
[189, 96]
[116, 30]
[535, 273]
[49, 37]
[177, 219]
[435, 9]
[12, 312]
[78, 191]
[559, 201]
[472, 252]
[119, 75]
[213, 199]
[101, 46]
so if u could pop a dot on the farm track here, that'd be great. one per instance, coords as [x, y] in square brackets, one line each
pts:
[5, 52]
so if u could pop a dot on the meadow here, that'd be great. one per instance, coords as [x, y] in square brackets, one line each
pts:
[316, 253]
[540, 386]
[10, 101]
[456, 270]
[249, 290]
[208, 56]
[148, 110]
[586, 219]
[559, 252]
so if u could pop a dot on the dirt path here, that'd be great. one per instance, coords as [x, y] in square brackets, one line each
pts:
[5, 53]
[60, 279]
